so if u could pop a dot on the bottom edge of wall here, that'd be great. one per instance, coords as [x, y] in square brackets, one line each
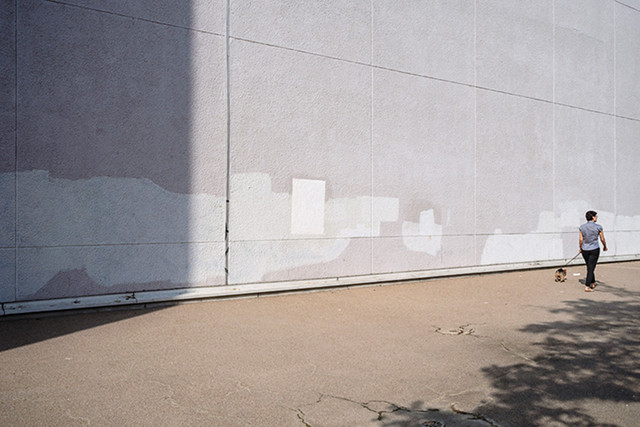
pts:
[227, 291]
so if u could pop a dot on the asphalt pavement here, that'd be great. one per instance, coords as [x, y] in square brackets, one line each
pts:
[505, 349]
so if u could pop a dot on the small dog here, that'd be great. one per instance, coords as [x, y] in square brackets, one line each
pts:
[561, 275]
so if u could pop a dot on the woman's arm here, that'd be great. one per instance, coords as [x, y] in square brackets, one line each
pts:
[604, 243]
[581, 240]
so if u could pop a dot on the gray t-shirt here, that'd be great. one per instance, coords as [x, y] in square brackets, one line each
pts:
[590, 232]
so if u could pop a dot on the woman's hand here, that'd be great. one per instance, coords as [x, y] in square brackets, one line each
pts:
[604, 242]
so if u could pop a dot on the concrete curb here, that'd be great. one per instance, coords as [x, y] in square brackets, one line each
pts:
[255, 289]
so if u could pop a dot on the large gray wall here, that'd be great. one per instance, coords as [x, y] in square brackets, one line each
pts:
[364, 138]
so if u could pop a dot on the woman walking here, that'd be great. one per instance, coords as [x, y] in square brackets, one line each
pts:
[589, 247]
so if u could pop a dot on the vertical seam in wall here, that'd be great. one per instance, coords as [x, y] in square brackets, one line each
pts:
[475, 132]
[228, 165]
[615, 129]
[553, 109]
[371, 135]
[15, 155]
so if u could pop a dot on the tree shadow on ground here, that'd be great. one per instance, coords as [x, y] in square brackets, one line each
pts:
[588, 359]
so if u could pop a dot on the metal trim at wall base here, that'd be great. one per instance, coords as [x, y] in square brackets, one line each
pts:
[256, 289]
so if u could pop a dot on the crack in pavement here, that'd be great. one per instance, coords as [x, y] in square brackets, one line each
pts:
[383, 408]
[466, 329]
[474, 416]
[460, 330]
[380, 412]
[369, 405]
[515, 353]
[301, 417]
[85, 421]
[169, 395]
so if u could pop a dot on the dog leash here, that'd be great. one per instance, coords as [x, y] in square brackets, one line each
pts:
[571, 260]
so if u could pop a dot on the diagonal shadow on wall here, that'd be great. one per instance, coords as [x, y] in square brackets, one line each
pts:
[103, 147]
[588, 360]
[112, 110]
[110, 105]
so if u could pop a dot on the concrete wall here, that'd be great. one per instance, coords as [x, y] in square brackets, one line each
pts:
[358, 139]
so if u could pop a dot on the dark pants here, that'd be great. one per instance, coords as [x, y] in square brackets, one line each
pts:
[591, 258]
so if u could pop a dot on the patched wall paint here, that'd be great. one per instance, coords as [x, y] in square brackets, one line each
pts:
[107, 210]
[545, 242]
[307, 206]
[123, 234]
[149, 147]
[267, 243]
[425, 236]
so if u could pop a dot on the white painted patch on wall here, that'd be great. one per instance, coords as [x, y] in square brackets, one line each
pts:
[279, 239]
[256, 211]
[572, 215]
[628, 223]
[545, 243]
[360, 216]
[118, 230]
[126, 230]
[385, 209]
[112, 210]
[424, 236]
[259, 213]
[622, 232]
[349, 217]
[107, 266]
[307, 206]
[508, 248]
[250, 261]
[627, 235]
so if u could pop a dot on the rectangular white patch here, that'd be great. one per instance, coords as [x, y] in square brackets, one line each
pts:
[307, 206]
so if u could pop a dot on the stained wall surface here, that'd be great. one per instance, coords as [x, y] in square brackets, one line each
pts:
[150, 145]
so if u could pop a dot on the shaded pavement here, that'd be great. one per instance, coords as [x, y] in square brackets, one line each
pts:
[508, 349]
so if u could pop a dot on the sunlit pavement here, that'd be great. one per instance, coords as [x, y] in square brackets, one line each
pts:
[509, 349]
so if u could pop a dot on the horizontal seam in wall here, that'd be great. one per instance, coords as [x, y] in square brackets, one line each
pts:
[306, 52]
[533, 233]
[122, 15]
[528, 233]
[204, 242]
[350, 61]
[379, 67]
[626, 5]
[300, 239]
[409, 73]
[626, 118]
[99, 245]
[575, 107]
